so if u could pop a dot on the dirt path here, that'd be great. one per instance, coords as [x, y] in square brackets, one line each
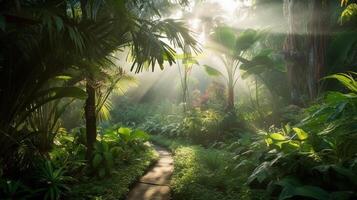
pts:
[154, 185]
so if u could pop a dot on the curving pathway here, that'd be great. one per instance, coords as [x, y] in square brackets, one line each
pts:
[154, 185]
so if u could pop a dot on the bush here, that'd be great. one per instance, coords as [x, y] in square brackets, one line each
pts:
[117, 185]
[317, 158]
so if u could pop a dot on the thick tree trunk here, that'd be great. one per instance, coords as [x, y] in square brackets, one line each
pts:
[318, 33]
[305, 46]
[90, 116]
[295, 48]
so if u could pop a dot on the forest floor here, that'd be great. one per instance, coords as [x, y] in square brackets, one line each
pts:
[154, 185]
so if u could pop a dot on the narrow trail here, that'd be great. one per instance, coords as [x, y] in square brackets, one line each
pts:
[154, 185]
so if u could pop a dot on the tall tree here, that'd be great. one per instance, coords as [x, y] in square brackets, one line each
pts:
[305, 46]
[128, 28]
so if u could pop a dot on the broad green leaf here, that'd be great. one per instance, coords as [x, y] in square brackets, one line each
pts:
[294, 144]
[302, 135]
[293, 188]
[256, 69]
[61, 92]
[225, 36]
[139, 134]
[212, 71]
[304, 191]
[246, 39]
[277, 136]
[124, 131]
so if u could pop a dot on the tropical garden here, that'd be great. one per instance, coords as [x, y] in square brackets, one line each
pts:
[255, 99]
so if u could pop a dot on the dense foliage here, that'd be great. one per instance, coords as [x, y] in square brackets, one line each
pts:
[256, 99]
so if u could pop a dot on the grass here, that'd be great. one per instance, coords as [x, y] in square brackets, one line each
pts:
[204, 174]
[118, 184]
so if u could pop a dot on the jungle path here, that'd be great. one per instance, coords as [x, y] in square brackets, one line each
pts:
[154, 185]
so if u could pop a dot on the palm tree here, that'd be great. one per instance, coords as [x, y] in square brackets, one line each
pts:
[127, 29]
[231, 49]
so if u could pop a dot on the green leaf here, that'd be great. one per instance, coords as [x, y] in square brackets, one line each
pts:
[62, 92]
[139, 134]
[97, 160]
[293, 188]
[124, 131]
[347, 80]
[225, 36]
[349, 14]
[277, 136]
[304, 191]
[212, 71]
[246, 39]
[302, 135]
[260, 173]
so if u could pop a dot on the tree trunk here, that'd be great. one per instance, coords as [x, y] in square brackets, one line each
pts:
[90, 116]
[295, 49]
[230, 98]
[305, 46]
[318, 33]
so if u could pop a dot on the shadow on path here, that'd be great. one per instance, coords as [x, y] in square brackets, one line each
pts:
[154, 185]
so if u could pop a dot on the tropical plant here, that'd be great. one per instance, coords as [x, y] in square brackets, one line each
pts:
[143, 35]
[126, 136]
[188, 61]
[53, 182]
[45, 123]
[103, 158]
[327, 149]
[231, 49]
